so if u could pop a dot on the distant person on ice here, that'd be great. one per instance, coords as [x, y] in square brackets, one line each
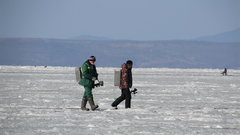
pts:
[125, 84]
[224, 71]
[89, 75]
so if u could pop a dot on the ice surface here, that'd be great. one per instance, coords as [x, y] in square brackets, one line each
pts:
[38, 100]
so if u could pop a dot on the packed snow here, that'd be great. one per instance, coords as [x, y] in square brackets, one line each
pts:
[38, 100]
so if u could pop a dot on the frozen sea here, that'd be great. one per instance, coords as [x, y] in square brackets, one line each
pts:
[40, 101]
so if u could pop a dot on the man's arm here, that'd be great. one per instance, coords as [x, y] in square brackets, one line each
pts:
[85, 73]
[124, 77]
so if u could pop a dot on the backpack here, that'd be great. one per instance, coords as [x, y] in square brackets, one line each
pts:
[117, 77]
[78, 73]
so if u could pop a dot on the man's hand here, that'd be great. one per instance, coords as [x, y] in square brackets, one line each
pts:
[94, 79]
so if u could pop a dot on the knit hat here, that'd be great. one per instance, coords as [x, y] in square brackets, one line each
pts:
[129, 62]
[92, 58]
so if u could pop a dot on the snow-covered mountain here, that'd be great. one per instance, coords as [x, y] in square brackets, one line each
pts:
[172, 54]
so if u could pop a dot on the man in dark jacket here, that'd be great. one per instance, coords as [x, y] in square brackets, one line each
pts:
[125, 84]
[89, 75]
[224, 71]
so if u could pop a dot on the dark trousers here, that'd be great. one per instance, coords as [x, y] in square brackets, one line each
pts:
[126, 95]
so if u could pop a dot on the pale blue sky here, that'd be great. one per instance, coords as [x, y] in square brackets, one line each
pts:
[118, 19]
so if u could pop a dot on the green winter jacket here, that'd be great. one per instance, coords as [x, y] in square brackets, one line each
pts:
[88, 72]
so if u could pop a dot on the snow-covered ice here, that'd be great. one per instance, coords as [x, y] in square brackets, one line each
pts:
[38, 100]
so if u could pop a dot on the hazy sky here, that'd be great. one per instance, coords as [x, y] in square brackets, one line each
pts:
[118, 19]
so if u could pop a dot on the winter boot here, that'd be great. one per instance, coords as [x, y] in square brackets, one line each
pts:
[92, 104]
[83, 105]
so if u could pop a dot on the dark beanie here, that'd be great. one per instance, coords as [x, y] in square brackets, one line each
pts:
[92, 58]
[129, 62]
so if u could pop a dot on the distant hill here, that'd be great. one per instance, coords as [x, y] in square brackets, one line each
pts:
[88, 37]
[231, 36]
[170, 54]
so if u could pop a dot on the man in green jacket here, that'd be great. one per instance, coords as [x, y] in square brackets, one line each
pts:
[89, 75]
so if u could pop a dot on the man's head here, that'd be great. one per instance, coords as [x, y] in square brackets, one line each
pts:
[92, 59]
[129, 63]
